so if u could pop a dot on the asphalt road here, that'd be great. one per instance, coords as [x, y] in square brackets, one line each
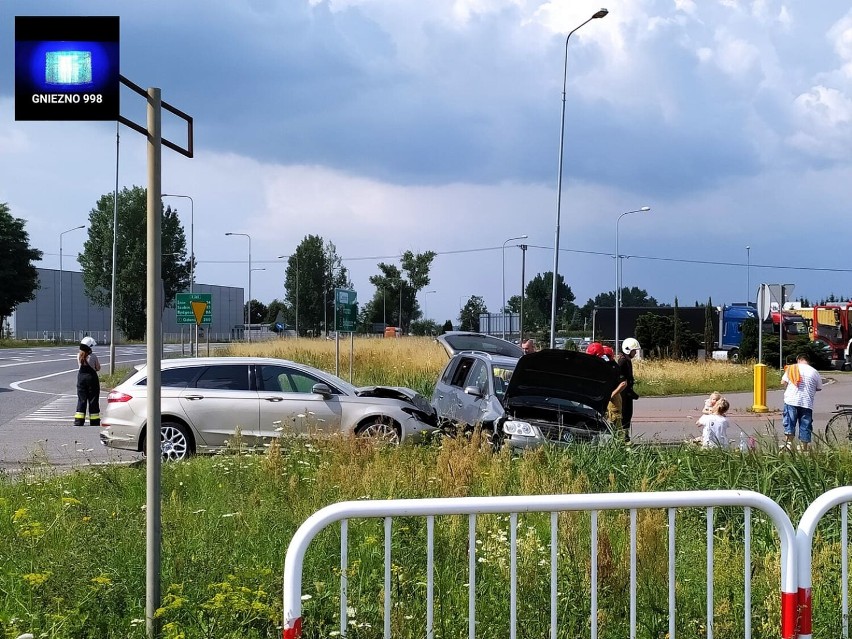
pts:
[672, 419]
[37, 402]
[38, 398]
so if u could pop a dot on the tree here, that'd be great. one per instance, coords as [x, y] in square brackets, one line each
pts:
[130, 283]
[537, 306]
[447, 327]
[630, 297]
[425, 327]
[258, 312]
[675, 332]
[708, 330]
[395, 299]
[469, 317]
[275, 312]
[19, 275]
[313, 272]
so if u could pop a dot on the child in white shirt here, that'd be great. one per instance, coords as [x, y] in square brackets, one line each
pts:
[715, 426]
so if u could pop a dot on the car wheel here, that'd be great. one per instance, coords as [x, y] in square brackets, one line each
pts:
[175, 441]
[734, 355]
[381, 429]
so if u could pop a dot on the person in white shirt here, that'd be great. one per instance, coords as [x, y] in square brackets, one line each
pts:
[714, 425]
[801, 382]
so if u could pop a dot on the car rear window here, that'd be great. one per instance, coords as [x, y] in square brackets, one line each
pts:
[483, 343]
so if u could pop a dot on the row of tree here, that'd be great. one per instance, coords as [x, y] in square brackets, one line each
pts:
[312, 273]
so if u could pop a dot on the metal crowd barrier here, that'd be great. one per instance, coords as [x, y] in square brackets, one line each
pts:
[553, 504]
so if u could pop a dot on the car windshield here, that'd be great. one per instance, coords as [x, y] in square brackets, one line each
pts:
[502, 375]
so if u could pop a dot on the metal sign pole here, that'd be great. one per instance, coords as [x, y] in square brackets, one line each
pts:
[154, 339]
[336, 339]
[351, 354]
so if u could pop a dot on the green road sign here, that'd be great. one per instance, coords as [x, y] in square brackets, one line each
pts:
[345, 310]
[194, 308]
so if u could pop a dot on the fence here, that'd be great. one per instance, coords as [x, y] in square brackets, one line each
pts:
[554, 505]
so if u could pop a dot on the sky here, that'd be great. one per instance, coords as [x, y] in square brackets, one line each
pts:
[393, 125]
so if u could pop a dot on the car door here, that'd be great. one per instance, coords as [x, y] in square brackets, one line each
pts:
[443, 395]
[473, 405]
[221, 402]
[288, 405]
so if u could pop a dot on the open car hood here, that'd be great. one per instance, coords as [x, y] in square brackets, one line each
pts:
[560, 375]
[400, 393]
[457, 341]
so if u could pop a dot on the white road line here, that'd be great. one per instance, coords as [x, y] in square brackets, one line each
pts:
[17, 385]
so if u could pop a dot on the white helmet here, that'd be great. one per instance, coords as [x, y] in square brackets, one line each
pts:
[88, 341]
[630, 344]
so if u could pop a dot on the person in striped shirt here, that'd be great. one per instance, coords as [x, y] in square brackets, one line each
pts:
[801, 382]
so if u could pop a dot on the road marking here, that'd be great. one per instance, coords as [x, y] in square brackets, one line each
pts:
[60, 409]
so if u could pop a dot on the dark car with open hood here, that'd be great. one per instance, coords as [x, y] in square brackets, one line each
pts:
[558, 397]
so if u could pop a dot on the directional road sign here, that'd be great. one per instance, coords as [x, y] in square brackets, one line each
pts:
[194, 308]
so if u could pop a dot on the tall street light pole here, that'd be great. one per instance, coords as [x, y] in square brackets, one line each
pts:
[748, 275]
[598, 14]
[296, 257]
[644, 209]
[191, 253]
[248, 304]
[503, 279]
[523, 248]
[76, 228]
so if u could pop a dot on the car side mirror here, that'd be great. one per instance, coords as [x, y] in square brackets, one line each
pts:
[321, 389]
[473, 390]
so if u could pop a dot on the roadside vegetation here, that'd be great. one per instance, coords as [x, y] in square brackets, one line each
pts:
[73, 545]
[416, 362]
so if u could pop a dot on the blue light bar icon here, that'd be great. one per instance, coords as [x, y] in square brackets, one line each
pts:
[68, 67]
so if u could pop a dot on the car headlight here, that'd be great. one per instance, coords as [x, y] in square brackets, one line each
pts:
[520, 428]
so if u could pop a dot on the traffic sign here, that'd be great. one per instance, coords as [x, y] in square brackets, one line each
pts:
[194, 308]
[345, 310]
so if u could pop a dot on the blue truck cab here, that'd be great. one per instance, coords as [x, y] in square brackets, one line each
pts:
[731, 320]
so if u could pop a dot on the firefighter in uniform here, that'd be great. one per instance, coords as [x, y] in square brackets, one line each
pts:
[88, 384]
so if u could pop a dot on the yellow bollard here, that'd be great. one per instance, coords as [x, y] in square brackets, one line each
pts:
[759, 389]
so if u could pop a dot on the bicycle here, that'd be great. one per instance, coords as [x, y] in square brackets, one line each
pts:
[838, 430]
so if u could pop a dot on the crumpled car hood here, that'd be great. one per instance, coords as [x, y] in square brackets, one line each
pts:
[400, 393]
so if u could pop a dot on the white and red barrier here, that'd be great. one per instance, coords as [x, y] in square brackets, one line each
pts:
[553, 504]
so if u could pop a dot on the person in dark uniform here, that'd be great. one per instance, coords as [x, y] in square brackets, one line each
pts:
[629, 348]
[88, 385]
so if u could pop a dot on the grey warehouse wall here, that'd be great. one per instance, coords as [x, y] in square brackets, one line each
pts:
[80, 316]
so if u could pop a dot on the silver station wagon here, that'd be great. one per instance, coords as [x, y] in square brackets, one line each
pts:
[207, 401]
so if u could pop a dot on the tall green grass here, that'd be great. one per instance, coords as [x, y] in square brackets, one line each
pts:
[73, 546]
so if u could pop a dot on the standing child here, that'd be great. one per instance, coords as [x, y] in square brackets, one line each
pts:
[715, 426]
[710, 402]
[88, 384]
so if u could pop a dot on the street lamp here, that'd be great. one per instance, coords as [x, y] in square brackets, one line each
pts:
[426, 304]
[598, 14]
[296, 257]
[748, 275]
[191, 251]
[503, 310]
[644, 209]
[76, 228]
[523, 248]
[248, 305]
